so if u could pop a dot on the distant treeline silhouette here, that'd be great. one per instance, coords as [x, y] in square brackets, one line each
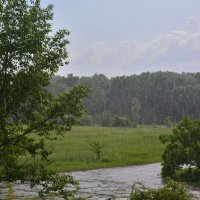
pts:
[148, 98]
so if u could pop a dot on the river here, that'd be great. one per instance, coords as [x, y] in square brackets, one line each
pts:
[116, 183]
[101, 184]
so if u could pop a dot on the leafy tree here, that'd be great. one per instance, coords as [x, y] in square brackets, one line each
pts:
[135, 109]
[29, 56]
[182, 149]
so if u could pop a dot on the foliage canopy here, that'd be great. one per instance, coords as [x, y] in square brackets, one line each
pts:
[29, 56]
[183, 148]
[147, 98]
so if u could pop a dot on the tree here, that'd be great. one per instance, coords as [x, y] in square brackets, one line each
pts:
[135, 109]
[182, 149]
[29, 57]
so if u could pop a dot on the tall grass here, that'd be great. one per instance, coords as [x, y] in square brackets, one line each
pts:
[120, 147]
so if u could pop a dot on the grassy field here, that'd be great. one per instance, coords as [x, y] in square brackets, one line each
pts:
[120, 147]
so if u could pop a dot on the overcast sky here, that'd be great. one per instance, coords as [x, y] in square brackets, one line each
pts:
[124, 37]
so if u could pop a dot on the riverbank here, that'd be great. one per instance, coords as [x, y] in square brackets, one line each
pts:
[120, 147]
[101, 184]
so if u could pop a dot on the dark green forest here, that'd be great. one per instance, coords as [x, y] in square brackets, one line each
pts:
[161, 98]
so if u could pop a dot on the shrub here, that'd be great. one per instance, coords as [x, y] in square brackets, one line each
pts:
[96, 148]
[171, 191]
[121, 122]
[182, 149]
[188, 175]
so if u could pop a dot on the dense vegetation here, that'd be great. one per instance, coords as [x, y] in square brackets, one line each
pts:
[181, 158]
[119, 147]
[29, 56]
[30, 116]
[170, 191]
[148, 98]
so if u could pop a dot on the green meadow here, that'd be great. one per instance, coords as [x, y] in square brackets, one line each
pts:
[120, 147]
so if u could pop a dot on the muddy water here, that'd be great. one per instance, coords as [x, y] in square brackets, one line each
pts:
[116, 183]
[101, 184]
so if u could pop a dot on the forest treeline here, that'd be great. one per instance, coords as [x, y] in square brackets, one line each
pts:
[148, 98]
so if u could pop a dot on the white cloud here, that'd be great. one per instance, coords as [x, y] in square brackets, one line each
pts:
[175, 51]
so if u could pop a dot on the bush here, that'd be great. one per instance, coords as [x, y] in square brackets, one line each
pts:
[182, 149]
[189, 175]
[121, 122]
[171, 191]
[96, 148]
